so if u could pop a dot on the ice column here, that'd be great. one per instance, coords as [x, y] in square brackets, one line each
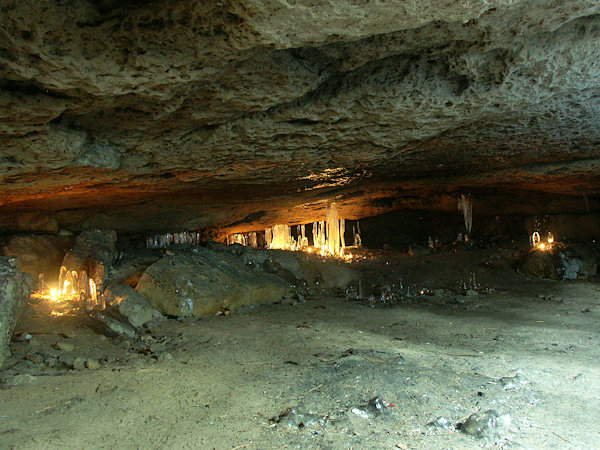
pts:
[333, 230]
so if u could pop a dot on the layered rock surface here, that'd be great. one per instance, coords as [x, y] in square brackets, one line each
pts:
[198, 282]
[154, 115]
[14, 292]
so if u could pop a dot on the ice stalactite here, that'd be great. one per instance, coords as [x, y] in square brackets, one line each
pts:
[356, 235]
[268, 237]
[466, 206]
[165, 240]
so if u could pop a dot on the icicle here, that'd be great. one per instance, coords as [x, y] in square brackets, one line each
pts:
[356, 233]
[466, 206]
[343, 232]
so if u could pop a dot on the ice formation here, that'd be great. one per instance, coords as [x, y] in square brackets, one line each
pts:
[466, 206]
[165, 240]
[328, 236]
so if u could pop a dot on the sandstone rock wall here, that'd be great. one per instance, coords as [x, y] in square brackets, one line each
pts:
[15, 287]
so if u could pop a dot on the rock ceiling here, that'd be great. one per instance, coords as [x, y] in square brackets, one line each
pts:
[183, 113]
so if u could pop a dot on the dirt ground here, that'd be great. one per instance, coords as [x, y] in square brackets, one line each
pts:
[290, 375]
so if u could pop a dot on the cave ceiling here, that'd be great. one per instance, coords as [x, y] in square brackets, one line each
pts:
[207, 114]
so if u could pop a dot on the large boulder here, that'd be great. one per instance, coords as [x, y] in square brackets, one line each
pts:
[197, 282]
[39, 254]
[563, 263]
[94, 252]
[15, 287]
[294, 266]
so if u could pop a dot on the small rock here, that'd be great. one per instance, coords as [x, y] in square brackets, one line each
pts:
[92, 364]
[157, 347]
[50, 361]
[119, 327]
[489, 424]
[35, 358]
[79, 363]
[360, 413]
[292, 418]
[164, 357]
[64, 346]
[20, 380]
[512, 382]
[66, 359]
[579, 377]
[67, 334]
[441, 422]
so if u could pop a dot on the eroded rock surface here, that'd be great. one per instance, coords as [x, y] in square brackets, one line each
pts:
[132, 115]
[94, 252]
[14, 292]
[197, 282]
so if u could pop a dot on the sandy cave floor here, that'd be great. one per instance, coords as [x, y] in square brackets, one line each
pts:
[218, 382]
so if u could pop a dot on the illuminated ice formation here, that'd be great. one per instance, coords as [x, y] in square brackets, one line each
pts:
[466, 206]
[328, 236]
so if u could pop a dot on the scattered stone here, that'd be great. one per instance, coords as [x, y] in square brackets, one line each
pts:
[374, 407]
[292, 418]
[157, 347]
[164, 357]
[489, 425]
[67, 360]
[119, 327]
[14, 292]
[104, 323]
[441, 423]
[35, 358]
[360, 413]
[50, 361]
[130, 304]
[64, 346]
[19, 380]
[92, 364]
[579, 377]
[512, 382]
[79, 363]
[67, 334]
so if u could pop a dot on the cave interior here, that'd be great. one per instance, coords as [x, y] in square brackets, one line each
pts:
[313, 224]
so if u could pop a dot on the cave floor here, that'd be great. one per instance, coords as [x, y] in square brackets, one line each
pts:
[219, 382]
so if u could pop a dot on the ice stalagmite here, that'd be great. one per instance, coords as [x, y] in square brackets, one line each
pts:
[282, 237]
